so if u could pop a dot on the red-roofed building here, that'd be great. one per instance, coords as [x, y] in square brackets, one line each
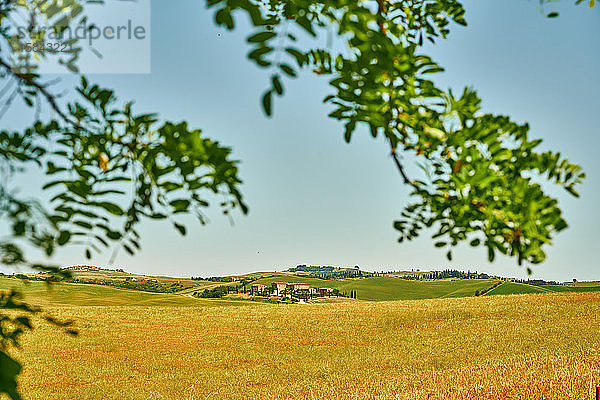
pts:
[258, 288]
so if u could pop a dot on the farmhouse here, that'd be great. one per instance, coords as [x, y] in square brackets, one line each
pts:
[258, 288]
[298, 286]
[325, 291]
[279, 287]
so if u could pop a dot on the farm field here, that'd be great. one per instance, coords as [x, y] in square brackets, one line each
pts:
[371, 288]
[71, 294]
[587, 287]
[391, 288]
[516, 288]
[523, 288]
[530, 346]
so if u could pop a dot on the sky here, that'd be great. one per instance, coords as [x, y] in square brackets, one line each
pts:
[315, 199]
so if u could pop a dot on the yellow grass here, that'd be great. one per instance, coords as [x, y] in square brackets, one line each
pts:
[501, 347]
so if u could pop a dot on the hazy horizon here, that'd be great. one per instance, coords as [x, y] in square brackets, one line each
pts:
[316, 200]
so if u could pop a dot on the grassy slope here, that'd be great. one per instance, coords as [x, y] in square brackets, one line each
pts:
[516, 288]
[523, 288]
[388, 288]
[114, 275]
[97, 295]
[493, 348]
[591, 287]
[378, 288]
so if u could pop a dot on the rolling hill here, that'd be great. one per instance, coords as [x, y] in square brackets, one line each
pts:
[390, 288]
[76, 294]
[508, 288]
[106, 287]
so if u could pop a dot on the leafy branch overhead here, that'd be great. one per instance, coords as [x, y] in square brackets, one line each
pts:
[481, 170]
[111, 158]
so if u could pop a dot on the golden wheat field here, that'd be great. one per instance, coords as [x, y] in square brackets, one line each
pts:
[540, 346]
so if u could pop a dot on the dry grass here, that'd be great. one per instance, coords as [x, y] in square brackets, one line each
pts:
[502, 347]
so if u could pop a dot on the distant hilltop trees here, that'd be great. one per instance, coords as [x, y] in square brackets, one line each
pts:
[92, 268]
[84, 268]
[214, 278]
[445, 274]
[329, 272]
[312, 268]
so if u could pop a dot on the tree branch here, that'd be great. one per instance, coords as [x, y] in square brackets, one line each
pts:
[401, 169]
[42, 90]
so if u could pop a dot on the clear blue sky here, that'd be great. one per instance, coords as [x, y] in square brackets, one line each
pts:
[314, 199]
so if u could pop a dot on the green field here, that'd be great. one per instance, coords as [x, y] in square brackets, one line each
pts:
[389, 288]
[523, 288]
[568, 287]
[98, 295]
[372, 288]
[135, 345]
[515, 288]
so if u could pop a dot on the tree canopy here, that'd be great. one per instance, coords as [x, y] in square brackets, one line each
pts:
[481, 171]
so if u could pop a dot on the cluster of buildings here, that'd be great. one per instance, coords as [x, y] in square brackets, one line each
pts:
[84, 268]
[287, 289]
[92, 268]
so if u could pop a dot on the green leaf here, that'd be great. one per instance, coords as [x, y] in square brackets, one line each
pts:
[83, 224]
[572, 191]
[19, 228]
[223, 17]
[258, 53]
[158, 216]
[180, 205]
[128, 249]
[287, 70]
[560, 225]
[349, 129]
[300, 57]
[114, 235]
[180, 228]
[277, 85]
[266, 102]
[491, 254]
[261, 37]
[306, 25]
[110, 207]
[63, 238]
